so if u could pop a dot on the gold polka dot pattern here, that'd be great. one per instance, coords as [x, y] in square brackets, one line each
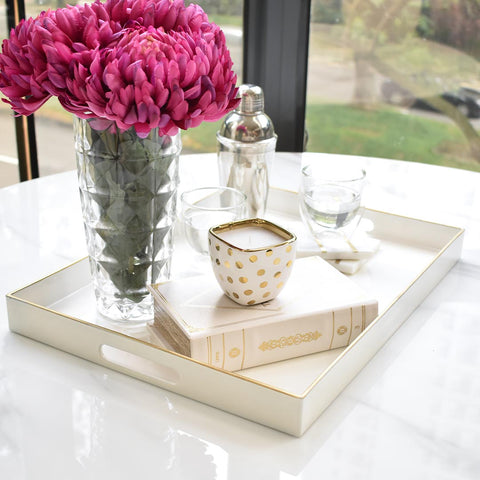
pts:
[246, 283]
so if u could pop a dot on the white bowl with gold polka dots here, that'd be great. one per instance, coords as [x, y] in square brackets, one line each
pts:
[252, 259]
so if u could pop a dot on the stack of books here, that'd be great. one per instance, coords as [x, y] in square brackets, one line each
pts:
[319, 309]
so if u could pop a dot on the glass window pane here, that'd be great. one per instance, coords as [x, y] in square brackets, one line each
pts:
[8, 147]
[395, 79]
[53, 124]
[229, 16]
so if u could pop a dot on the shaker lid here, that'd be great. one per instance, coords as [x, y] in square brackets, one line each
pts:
[248, 123]
[251, 99]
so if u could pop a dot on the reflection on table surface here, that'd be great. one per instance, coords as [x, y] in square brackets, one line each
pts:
[413, 412]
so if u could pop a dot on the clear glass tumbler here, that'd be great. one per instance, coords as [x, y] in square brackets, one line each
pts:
[331, 199]
[206, 207]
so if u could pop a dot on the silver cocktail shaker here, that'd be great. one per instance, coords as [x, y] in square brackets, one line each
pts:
[246, 149]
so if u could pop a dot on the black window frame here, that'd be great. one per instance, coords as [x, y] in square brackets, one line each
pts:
[275, 57]
[24, 126]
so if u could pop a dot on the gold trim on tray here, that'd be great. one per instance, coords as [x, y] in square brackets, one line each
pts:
[383, 212]
[460, 232]
[14, 296]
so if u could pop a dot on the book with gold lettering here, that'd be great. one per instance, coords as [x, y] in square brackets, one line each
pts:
[319, 309]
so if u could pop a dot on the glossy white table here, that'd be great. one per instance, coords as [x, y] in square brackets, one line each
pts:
[412, 413]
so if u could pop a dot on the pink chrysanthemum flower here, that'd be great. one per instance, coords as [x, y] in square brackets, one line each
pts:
[138, 63]
[154, 79]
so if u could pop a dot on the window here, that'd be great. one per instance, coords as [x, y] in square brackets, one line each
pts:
[391, 78]
[228, 14]
[395, 79]
[8, 147]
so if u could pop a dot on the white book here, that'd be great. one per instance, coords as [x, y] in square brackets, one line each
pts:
[319, 309]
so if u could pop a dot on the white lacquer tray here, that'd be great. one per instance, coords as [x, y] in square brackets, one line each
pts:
[414, 255]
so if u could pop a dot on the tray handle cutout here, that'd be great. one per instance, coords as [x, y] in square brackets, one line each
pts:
[135, 364]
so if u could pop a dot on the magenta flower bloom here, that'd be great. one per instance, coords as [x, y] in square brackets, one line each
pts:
[138, 63]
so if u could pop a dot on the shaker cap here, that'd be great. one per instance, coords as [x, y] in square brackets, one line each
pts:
[248, 123]
[251, 99]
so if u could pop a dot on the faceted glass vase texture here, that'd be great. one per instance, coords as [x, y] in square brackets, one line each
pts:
[128, 192]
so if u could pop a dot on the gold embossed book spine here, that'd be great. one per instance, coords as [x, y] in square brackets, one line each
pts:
[245, 348]
[319, 310]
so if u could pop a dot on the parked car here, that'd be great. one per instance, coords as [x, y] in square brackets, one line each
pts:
[467, 100]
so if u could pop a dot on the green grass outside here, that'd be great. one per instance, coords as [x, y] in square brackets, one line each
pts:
[225, 20]
[386, 133]
[201, 139]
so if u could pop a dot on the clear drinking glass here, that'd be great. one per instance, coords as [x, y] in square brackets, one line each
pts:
[330, 199]
[206, 207]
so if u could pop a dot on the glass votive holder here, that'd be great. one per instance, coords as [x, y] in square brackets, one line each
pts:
[202, 208]
[252, 259]
[331, 199]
